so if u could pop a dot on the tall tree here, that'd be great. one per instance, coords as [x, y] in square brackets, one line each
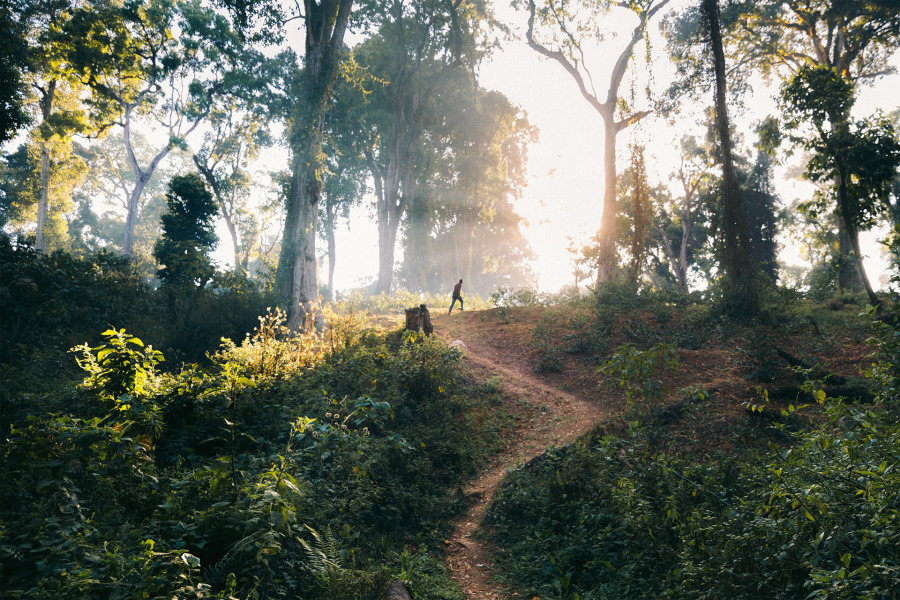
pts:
[30, 190]
[640, 211]
[463, 223]
[234, 139]
[102, 197]
[166, 59]
[681, 224]
[762, 220]
[344, 181]
[487, 143]
[326, 22]
[240, 124]
[741, 296]
[418, 46]
[57, 94]
[860, 158]
[855, 39]
[560, 31]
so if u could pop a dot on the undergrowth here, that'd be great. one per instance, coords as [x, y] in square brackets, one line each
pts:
[624, 514]
[317, 465]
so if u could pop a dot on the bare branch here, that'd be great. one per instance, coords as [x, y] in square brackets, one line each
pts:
[601, 107]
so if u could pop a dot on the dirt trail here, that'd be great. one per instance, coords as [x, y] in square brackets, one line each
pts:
[561, 418]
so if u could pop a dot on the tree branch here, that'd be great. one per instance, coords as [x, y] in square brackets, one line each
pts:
[601, 107]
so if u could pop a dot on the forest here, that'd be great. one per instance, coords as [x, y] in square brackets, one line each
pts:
[194, 405]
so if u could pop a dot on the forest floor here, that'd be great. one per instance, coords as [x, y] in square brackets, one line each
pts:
[555, 408]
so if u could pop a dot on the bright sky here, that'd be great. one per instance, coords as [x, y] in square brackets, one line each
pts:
[565, 188]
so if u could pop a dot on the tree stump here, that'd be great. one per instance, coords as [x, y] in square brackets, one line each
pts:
[419, 319]
[398, 591]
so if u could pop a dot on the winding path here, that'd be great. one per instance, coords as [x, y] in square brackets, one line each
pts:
[562, 418]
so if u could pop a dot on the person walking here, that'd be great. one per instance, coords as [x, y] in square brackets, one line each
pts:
[457, 295]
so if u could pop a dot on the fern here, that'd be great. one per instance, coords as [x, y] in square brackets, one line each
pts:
[324, 555]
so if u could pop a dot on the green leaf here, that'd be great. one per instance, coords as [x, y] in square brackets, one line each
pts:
[291, 485]
[190, 560]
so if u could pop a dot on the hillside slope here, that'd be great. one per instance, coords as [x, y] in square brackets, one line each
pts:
[540, 361]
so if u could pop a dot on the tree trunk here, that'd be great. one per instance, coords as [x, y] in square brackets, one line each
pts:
[686, 222]
[332, 245]
[606, 260]
[854, 240]
[606, 109]
[248, 247]
[46, 105]
[396, 189]
[415, 256]
[210, 178]
[735, 234]
[387, 241]
[674, 263]
[297, 264]
[141, 178]
[235, 243]
[853, 234]
[326, 22]
[44, 200]
[469, 218]
[844, 278]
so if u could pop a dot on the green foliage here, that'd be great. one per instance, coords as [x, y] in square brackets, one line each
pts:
[865, 154]
[524, 296]
[621, 518]
[854, 163]
[638, 372]
[343, 433]
[13, 114]
[57, 300]
[117, 368]
[333, 580]
[273, 352]
[53, 302]
[188, 232]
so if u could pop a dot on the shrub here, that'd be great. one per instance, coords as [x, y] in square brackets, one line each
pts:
[354, 436]
[524, 296]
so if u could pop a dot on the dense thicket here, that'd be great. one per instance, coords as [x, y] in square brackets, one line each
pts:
[281, 467]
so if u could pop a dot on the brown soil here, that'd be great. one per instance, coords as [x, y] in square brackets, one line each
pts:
[554, 408]
[560, 418]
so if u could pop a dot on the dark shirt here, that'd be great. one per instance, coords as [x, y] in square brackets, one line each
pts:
[456, 290]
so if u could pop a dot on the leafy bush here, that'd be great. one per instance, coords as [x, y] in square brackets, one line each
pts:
[289, 470]
[638, 372]
[55, 301]
[524, 296]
